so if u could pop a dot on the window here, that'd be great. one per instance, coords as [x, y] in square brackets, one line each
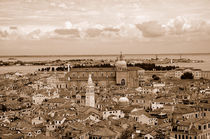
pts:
[208, 125]
[199, 127]
[123, 82]
[204, 127]
[196, 115]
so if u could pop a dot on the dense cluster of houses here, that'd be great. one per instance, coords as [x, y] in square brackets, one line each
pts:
[34, 106]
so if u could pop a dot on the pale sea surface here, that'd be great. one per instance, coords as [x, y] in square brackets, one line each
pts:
[27, 69]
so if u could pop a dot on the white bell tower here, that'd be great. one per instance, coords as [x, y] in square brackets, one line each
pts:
[90, 94]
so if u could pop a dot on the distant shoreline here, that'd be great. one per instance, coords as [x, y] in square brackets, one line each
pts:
[96, 55]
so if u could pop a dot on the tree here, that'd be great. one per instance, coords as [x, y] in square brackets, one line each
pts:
[3, 108]
[126, 134]
[155, 77]
[187, 75]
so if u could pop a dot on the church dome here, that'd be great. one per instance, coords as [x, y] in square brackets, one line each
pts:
[154, 91]
[124, 100]
[121, 64]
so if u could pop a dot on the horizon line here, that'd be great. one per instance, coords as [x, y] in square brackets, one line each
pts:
[60, 55]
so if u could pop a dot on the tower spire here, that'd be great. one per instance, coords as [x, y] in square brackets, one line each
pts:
[90, 81]
[121, 56]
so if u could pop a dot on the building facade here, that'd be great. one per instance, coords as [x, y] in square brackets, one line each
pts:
[194, 129]
[197, 73]
[206, 74]
[119, 74]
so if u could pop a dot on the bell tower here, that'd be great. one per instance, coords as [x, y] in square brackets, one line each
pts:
[90, 94]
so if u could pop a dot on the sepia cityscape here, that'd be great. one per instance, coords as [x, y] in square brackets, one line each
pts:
[104, 69]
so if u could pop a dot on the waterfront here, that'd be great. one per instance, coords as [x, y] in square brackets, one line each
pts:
[27, 69]
[205, 57]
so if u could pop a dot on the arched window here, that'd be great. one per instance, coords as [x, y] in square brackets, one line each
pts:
[123, 82]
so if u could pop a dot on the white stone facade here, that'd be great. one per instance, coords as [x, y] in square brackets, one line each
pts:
[90, 95]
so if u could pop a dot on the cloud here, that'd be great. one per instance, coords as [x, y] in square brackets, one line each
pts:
[151, 29]
[36, 34]
[183, 25]
[68, 24]
[110, 32]
[111, 29]
[59, 5]
[13, 28]
[3, 34]
[179, 27]
[66, 32]
[11, 33]
[93, 32]
[62, 5]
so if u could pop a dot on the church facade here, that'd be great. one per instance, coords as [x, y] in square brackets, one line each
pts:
[119, 75]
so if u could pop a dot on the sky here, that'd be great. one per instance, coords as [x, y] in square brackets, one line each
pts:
[74, 27]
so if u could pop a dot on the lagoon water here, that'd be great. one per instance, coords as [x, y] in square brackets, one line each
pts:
[204, 66]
